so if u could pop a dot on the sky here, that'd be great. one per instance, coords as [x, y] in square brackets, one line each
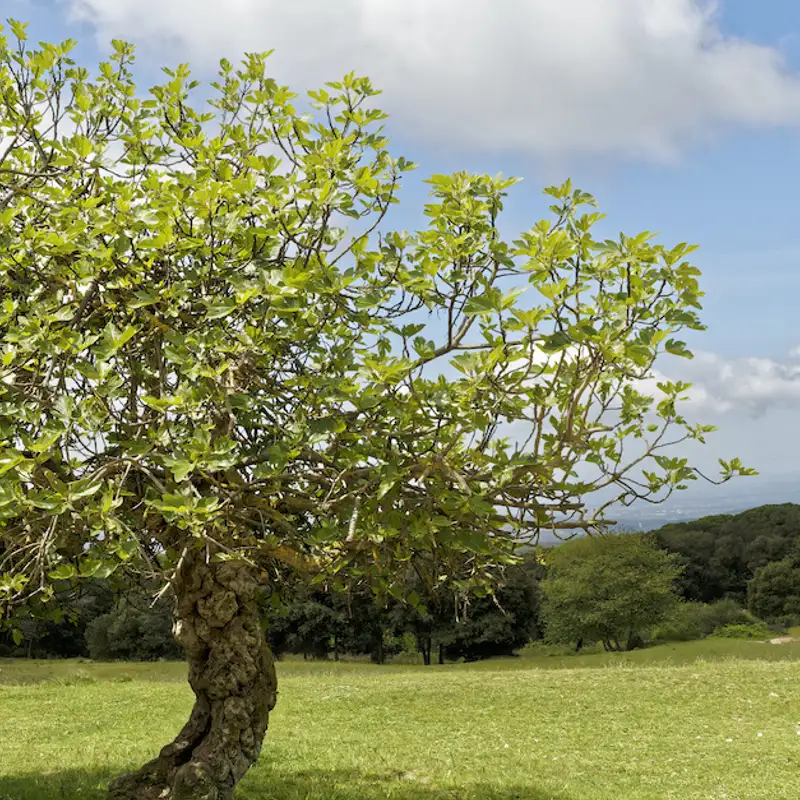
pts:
[679, 116]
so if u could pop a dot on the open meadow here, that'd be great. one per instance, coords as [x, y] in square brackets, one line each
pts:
[701, 720]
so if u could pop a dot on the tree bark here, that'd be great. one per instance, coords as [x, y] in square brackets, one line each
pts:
[424, 646]
[441, 653]
[232, 673]
[381, 656]
[634, 641]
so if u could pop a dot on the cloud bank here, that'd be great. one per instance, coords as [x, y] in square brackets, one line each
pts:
[552, 78]
[750, 385]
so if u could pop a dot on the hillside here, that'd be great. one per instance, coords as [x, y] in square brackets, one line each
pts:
[721, 552]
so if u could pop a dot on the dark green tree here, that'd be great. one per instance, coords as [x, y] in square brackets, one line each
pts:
[58, 629]
[773, 592]
[500, 623]
[133, 630]
[307, 623]
[720, 554]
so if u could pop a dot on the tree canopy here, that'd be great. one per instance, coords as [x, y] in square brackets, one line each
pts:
[196, 351]
[610, 589]
[721, 553]
[774, 591]
[216, 360]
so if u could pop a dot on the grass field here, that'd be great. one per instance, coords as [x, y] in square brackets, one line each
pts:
[712, 719]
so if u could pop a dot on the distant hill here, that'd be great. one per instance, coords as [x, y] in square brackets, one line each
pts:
[721, 552]
[703, 500]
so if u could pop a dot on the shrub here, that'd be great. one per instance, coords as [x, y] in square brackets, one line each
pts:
[783, 624]
[692, 621]
[754, 630]
[132, 633]
[729, 612]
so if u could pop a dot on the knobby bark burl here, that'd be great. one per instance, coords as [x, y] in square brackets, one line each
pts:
[232, 673]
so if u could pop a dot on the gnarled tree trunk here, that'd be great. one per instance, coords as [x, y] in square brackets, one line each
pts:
[232, 673]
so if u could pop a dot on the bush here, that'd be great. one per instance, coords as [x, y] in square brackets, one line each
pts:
[692, 621]
[755, 630]
[132, 633]
[783, 624]
[500, 625]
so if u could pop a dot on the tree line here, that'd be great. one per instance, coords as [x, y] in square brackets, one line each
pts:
[104, 621]
[681, 581]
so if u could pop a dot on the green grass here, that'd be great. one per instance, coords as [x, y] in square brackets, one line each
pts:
[700, 720]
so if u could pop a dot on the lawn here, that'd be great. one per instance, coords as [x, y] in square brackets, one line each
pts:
[690, 721]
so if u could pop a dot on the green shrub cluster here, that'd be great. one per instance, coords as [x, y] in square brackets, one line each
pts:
[752, 630]
[692, 620]
[132, 632]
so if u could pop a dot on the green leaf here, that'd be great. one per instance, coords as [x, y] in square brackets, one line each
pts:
[488, 302]
[220, 309]
[63, 572]
[424, 349]
[510, 297]
[83, 145]
[676, 348]
[180, 467]
[555, 342]
[112, 341]
[46, 441]
[552, 290]
[174, 504]
[48, 501]
[10, 459]
[207, 505]
[84, 488]
[143, 298]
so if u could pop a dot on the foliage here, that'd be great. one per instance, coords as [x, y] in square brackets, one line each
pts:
[754, 630]
[721, 554]
[611, 589]
[305, 623]
[60, 630]
[196, 353]
[313, 621]
[497, 624]
[774, 591]
[692, 620]
[457, 625]
[132, 632]
[317, 622]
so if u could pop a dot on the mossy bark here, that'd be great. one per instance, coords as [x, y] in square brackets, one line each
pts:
[232, 673]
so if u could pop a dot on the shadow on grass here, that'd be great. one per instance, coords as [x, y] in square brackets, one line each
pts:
[268, 784]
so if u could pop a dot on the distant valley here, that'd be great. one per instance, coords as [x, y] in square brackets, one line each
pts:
[707, 500]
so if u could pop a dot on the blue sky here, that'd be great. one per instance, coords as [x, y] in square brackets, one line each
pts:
[681, 117]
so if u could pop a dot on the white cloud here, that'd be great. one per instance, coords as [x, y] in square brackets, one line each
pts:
[747, 385]
[637, 78]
